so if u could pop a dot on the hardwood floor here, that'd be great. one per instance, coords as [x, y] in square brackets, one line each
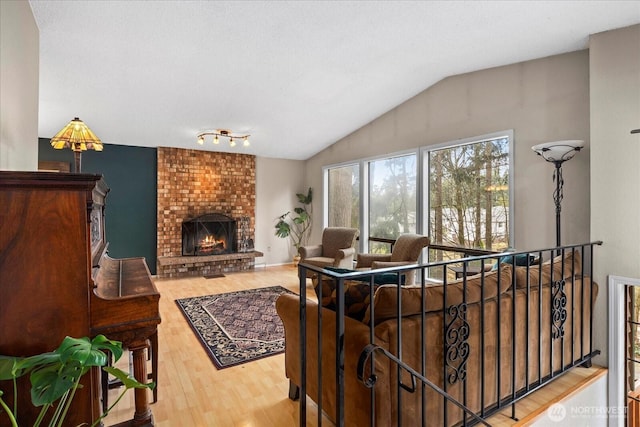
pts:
[534, 406]
[192, 392]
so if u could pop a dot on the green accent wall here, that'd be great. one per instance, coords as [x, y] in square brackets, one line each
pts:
[131, 214]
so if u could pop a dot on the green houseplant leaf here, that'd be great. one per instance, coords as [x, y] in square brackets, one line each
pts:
[9, 368]
[297, 225]
[56, 373]
[55, 376]
[302, 217]
[49, 383]
[28, 364]
[88, 353]
[283, 229]
[305, 199]
[128, 381]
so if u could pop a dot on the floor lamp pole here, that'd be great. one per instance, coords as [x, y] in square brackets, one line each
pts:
[557, 197]
[557, 152]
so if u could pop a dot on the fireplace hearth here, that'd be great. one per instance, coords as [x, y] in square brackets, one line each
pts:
[209, 234]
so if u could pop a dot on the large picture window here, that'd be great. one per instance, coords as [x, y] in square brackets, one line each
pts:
[344, 196]
[392, 200]
[458, 193]
[468, 191]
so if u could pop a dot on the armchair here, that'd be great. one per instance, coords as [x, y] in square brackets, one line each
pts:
[336, 250]
[406, 250]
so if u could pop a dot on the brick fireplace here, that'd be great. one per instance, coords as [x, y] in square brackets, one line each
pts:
[194, 183]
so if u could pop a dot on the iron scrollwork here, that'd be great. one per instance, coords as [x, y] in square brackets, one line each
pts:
[456, 343]
[559, 309]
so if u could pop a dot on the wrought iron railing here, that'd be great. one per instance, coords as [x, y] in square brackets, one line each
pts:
[370, 380]
[502, 334]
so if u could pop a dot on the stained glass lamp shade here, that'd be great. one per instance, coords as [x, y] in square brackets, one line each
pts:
[78, 137]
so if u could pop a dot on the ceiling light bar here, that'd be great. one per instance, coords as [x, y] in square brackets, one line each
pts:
[224, 133]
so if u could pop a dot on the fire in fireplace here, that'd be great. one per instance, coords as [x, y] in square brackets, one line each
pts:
[209, 234]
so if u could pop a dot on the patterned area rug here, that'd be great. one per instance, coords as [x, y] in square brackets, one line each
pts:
[237, 327]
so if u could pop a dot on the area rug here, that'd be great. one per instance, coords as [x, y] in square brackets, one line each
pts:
[237, 327]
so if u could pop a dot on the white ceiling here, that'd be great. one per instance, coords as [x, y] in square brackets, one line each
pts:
[296, 75]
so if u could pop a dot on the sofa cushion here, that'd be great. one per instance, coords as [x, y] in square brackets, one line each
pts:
[571, 258]
[356, 297]
[356, 293]
[385, 299]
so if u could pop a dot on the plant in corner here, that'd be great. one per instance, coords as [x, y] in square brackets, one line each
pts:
[55, 376]
[297, 225]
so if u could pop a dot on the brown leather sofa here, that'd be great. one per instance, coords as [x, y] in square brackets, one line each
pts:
[533, 325]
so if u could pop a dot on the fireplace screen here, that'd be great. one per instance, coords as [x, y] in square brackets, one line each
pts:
[210, 234]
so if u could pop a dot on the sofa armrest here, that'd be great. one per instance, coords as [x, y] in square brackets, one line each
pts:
[356, 337]
[344, 258]
[310, 251]
[345, 253]
[365, 260]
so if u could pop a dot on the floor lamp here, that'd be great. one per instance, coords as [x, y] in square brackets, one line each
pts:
[558, 152]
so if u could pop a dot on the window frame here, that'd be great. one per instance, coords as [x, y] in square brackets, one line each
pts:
[422, 183]
[424, 155]
[418, 214]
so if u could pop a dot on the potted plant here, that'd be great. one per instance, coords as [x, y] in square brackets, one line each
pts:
[297, 225]
[55, 376]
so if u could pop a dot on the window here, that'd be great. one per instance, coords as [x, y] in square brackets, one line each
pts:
[468, 194]
[344, 196]
[392, 200]
[465, 202]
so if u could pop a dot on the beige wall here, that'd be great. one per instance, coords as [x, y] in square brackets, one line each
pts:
[615, 160]
[541, 100]
[19, 66]
[277, 182]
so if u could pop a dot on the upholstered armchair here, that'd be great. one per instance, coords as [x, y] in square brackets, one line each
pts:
[406, 250]
[336, 250]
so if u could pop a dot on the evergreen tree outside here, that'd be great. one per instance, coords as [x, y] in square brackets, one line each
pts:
[392, 199]
[344, 196]
[469, 195]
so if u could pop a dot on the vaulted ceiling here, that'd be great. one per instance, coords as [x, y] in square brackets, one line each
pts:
[296, 75]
